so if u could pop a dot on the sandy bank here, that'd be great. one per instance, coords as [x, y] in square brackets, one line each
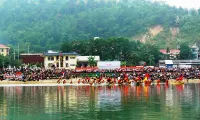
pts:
[187, 81]
[53, 82]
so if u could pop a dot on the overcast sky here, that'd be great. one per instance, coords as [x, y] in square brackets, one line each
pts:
[184, 3]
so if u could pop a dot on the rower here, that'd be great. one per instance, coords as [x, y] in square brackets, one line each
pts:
[179, 78]
[166, 81]
[79, 81]
[64, 81]
[59, 80]
[158, 81]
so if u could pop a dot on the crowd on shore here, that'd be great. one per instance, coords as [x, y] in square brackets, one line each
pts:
[154, 73]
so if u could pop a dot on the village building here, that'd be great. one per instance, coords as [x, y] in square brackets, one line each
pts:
[60, 60]
[4, 50]
[173, 53]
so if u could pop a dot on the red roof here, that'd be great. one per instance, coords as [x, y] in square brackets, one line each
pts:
[172, 51]
[3, 46]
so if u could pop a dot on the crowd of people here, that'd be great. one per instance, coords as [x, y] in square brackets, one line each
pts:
[154, 73]
[35, 74]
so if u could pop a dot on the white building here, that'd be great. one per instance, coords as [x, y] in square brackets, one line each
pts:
[60, 60]
[82, 61]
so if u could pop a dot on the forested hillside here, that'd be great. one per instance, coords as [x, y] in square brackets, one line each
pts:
[46, 24]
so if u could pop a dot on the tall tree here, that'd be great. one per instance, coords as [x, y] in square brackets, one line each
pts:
[185, 51]
[168, 53]
[91, 61]
[115, 49]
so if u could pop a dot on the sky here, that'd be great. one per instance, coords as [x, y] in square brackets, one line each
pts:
[184, 3]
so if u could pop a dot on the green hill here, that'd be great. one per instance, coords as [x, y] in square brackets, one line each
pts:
[45, 24]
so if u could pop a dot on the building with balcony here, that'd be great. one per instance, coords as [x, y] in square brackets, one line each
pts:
[4, 50]
[60, 60]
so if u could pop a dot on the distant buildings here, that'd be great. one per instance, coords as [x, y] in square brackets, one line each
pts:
[173, 53]
[4, 50]
[53, 59]
[179, 63]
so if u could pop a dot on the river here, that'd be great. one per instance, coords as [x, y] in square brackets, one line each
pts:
[156, 102]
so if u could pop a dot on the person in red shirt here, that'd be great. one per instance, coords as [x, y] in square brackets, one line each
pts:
[179, 78]
[109, 80]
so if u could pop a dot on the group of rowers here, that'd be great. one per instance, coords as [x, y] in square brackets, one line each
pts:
[125, 80]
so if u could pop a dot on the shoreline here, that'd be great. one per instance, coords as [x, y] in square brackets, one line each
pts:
[53, 82]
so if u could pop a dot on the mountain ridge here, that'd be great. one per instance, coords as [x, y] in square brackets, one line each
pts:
[48, 24]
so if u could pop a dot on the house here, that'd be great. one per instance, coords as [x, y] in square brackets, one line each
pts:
[4, 50]
[60, 60]
[30, 58]
[172, 53]
[82, 61]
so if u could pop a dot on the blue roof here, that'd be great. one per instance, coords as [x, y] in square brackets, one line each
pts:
[58, 54]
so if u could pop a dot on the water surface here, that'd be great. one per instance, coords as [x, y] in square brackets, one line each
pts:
[156, 102]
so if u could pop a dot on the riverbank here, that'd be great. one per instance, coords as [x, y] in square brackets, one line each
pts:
[52, 81]
[187, 81]
[74, 81]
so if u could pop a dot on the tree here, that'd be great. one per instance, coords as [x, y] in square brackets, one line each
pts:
[2, 61]
[185, 51]
[123, 63]
[168, 53]
[91, 61]
[115, 49]
[5, 61]
[151, 59]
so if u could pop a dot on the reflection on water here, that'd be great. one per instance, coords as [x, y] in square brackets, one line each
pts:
[161, 102]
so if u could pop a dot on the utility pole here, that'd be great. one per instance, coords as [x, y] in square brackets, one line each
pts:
[18, 52]
[14, 54]
[28, 50]
[3, 63]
